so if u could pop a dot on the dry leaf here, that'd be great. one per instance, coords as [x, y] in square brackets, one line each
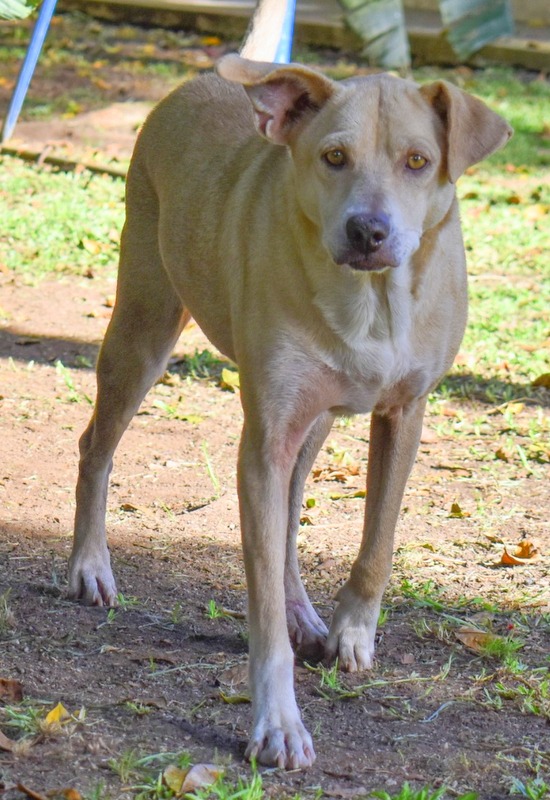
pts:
[342, 473]
[542, 380]
[201, 775]
[5, 743]
[234, 676]
[474, 639]
[11, 690]
[457, 512]
[174, 777]
[523, 553]
[30, 792]
[348, 495]
[183, 781]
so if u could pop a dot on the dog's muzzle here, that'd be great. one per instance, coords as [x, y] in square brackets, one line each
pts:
[369, 242]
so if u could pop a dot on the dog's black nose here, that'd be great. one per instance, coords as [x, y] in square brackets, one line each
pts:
[368, 232]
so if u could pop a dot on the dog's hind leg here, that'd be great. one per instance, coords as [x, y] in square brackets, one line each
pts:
[306, 630]
[147, 321]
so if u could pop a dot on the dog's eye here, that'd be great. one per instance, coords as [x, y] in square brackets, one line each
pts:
[335, 157]
[415, 161]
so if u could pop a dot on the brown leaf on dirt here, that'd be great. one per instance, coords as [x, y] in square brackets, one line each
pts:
[11, 690]
[6, 744]
[523, 553]
[67, 794]
[30, 792]
[184, 781]
[235, 676]
[502, 455]
[542, 380]
[341, 473]
[475, 639]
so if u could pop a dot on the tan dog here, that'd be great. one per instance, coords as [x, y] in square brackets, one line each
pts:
[325, 258]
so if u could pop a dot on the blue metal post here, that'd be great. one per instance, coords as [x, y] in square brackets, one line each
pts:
[284, 49]
[28, 66]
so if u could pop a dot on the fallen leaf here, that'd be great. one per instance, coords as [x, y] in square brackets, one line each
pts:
[475, 639]
[184, 781]
[457, 512]
[234, 676]
[234, 699]
[523, 553]
[174, 777]
[57, 716]
[342, 473]
[502, 455]
[230, 380]
[30, 792]
[542, 380]
[11, 689]
[200, 775]
[348, 495]
[5, 743]
[526, 549]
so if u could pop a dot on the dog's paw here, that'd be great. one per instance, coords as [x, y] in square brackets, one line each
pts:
[286, 745]
[306, 630]
[352, 632]
[91, 579]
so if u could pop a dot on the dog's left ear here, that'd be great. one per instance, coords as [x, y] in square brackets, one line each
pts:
[282, 97]
[473, 130]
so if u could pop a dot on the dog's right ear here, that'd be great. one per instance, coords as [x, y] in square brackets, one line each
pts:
[282, 97]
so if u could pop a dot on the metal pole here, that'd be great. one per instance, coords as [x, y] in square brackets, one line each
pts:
[284, 49]
[28, 67]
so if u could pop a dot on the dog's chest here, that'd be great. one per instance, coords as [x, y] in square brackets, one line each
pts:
[372, 340]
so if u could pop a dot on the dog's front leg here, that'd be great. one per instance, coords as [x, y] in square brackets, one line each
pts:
[393, 444]
[278, 736]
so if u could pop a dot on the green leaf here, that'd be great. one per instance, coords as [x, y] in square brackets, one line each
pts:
[14, 9]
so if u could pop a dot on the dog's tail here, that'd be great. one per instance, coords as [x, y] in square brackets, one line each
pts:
[265, 31]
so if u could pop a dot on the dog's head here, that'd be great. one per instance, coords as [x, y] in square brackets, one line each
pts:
[376, 158]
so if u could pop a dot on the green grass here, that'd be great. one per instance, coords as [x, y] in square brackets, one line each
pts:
[58, 223]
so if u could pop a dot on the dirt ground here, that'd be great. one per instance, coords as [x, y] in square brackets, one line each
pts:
[158, 674]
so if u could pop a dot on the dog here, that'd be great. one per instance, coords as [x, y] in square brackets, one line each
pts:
[311, 228]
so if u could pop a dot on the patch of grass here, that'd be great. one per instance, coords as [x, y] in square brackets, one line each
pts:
[534, 790]
[73, 395]
[408, 793]
[58, 223]
[214, 611]
[199, 366]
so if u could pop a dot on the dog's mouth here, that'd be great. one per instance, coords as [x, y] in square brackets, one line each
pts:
[374, 262]
[367, 265]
